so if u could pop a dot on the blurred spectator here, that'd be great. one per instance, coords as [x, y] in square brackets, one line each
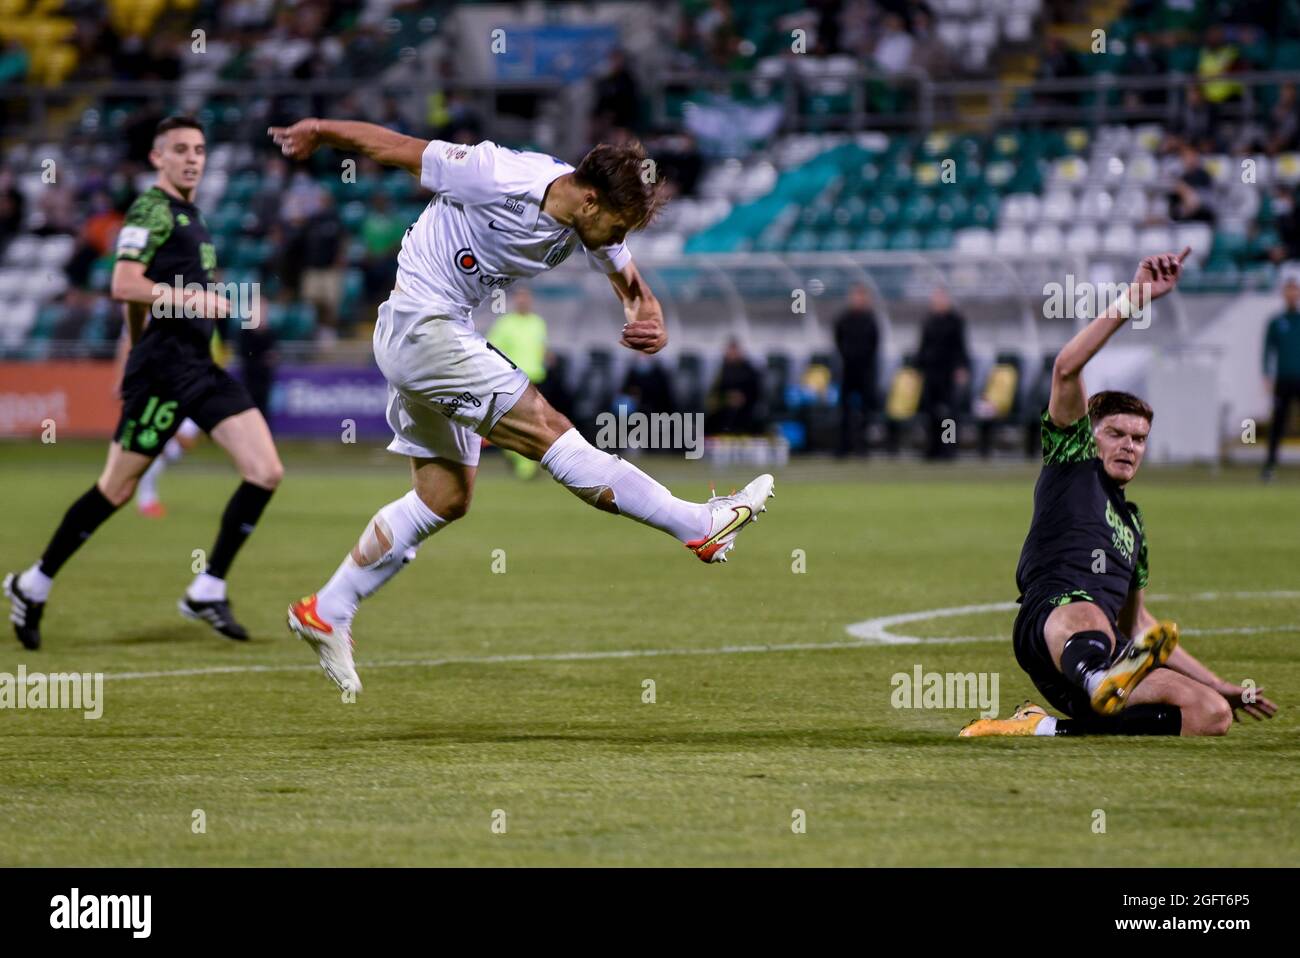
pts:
[56, 211]
[258, 358]
[521, 336]
[893, 51]
[381, 237]
[1059, 62]
[555, 387]
[1218, 59]
[929, 54]
[944, 365]
[617, 105]
[679, 159]
[324, 262]
[1282, 367]
[13, 208]
[1286, 211]
[1190, 199]
[98, 236]
[733, 403]
[1197, 120]
[647, 386]
[857, 338]
[1284, 122]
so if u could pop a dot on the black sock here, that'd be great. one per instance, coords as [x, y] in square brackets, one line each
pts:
[80, 521]
[1150, 718]
[1084, 653]
[237, 522]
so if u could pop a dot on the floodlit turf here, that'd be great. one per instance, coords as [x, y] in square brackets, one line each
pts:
[713, 771]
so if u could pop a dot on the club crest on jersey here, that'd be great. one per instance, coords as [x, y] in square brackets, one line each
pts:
[466, 261]
[560, 251]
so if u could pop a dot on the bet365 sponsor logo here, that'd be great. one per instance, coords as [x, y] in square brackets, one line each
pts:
[76, 911]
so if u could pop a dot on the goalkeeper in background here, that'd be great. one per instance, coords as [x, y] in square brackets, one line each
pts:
[521, 335]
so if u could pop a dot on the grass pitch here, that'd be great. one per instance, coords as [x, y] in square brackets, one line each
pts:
[516, 697]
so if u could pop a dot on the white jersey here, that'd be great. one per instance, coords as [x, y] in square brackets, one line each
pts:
[484, 227]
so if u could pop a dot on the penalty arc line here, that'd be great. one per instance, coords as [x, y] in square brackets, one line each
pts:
[872, 632]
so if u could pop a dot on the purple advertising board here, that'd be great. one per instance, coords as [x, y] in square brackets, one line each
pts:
[312, 402]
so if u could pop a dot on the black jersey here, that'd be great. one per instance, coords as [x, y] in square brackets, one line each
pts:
[169, 237]
[1086, 541]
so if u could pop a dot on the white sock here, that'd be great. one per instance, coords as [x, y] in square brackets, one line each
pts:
[146, 491]
[34, 583]
[1093, 679]
[586, 472]
[394, 533]
[173, 450]
[1046, 727]
[207, 588]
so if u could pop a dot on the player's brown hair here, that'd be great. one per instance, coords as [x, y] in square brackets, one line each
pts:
[1111, 402]
[626, 180]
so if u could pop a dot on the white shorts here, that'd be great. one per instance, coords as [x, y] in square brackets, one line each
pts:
[446, 385]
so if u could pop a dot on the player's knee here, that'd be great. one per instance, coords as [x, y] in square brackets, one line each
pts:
[117, 490]
[454, 506]
[1217, 715]
[554, 425]
[268, 474]
[448, 504]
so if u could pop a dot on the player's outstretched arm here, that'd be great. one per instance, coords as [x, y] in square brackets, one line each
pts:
[130, 285]
[644, 330]
[1155, 276]
[381, 144]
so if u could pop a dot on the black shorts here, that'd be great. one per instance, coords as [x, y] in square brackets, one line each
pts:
[154, 405]
[1030, 645]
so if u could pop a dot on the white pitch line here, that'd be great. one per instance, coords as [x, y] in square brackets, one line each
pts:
[877, 631]
[498, 659]
[868, 633]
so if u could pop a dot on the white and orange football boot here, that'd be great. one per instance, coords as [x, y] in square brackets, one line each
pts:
[730, 514]
[333, 644]
[1024, 721]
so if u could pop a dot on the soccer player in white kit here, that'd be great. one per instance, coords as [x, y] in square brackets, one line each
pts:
[497, 215]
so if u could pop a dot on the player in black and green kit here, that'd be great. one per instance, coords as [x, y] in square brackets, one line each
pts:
[165, 274]
[1083, 633]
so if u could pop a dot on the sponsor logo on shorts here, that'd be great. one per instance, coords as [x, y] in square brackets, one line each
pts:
[449, 406]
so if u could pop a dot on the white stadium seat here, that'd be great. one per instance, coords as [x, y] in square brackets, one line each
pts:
[973, 239]
[1046, 239]
[1130, 205]
[1156, 239]
[1010, 241]
[1095, 204]
[1020, 208]
[1119, 238]
[56, 251]
[1083, 238]
[1058, 206]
